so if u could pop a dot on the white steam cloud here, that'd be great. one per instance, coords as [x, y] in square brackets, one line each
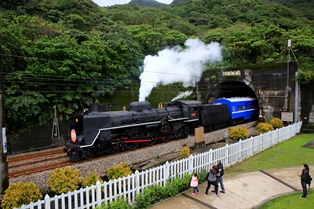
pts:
[182, 94]
[178, 65]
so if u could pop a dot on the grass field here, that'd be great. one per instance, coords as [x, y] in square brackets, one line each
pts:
[291, 153]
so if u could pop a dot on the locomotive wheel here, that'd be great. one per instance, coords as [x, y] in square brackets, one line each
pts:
[131, 146]
[166, 139]
[152, 142]
[87, 154]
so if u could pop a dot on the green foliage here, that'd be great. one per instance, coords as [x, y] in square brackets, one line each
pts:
[184, 153]
[276, 123]
[98, 51]
[157, 193]
[182, 183]
[20, 194]
[119, 170]
[264, 128]
[239, 133]
[291, 199]
[142, 201]
[63, 180]
[22, 109]
[91, 179]
[119, 203]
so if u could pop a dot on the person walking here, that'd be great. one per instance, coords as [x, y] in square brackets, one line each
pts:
[194, 184]
[305, 176]
[220, 176]
[212, 180]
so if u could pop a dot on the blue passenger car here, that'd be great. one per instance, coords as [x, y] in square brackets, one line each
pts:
[241, 109]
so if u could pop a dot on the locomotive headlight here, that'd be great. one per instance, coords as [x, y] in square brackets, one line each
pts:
[73, 136]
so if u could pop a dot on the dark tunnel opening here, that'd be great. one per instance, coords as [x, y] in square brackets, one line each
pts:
[228, 89]
[231, 89]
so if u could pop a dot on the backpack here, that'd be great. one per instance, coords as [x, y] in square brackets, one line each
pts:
[206, 177]
[309, 179]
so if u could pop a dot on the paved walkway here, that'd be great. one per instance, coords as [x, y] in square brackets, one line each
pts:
[243, 191]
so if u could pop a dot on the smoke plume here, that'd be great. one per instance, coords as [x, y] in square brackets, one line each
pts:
[178, 65]
[182, 94]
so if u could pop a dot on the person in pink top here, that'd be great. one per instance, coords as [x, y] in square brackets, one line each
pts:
[194, 184]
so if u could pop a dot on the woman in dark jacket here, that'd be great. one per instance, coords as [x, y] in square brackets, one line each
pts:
[211, 180]
[305, 175]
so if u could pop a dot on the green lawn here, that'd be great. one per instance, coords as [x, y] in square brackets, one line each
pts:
[290, 153]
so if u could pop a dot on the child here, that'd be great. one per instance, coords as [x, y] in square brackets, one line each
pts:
[194, 184]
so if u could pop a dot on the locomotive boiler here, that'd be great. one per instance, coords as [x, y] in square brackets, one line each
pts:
[97, 133]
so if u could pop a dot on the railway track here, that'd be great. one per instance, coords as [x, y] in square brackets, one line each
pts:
[34, 162]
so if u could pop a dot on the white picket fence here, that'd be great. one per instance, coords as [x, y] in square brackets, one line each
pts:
[128, 187]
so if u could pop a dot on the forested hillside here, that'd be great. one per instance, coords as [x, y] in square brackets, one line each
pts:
[69, 53]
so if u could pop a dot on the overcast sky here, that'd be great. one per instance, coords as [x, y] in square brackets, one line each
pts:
[112, 2]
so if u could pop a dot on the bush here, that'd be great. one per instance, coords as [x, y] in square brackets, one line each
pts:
[184, 153]
[91, 179]
[119, 170]
[276, 123]
[19, 194]
[239, 133]
[63, 180]
[119, 203]
[264, 128]
[142, 201]
[182, 183]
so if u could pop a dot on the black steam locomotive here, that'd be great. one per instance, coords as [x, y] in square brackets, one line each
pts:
[97, 133]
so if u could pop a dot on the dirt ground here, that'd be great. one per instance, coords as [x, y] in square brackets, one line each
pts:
[309, 145]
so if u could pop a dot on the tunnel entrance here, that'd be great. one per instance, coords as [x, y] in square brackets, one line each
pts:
[229, 89]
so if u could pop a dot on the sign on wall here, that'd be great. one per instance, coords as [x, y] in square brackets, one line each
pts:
[287, 116]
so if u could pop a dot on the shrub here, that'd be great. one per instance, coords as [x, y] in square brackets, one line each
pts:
[264, 128]
[276, 123]
[143, 201]
[201, 176]
[91, 179]
[182, 183]
[19, 194]
[184, 153]
[119, 203]
[239, 133]
[171, 190]
[63, 180]
[119, 170]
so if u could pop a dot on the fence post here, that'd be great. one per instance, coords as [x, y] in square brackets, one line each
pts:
[137, 182]
[226, 154]
[240, 149]
[210, 160]
[166, 177]
[47, 202]
[98, 193]
[251, 146]
[191, 164]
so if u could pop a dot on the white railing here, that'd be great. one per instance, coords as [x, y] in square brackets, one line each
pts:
[128, 187]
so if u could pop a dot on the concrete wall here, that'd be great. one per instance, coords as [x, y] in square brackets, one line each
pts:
[273, 85]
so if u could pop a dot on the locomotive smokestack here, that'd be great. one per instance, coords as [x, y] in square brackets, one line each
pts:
[95, 108]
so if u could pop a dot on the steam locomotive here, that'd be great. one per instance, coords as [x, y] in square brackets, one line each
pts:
[96, 133]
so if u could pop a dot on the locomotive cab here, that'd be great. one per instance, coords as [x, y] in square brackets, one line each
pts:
[190, 109]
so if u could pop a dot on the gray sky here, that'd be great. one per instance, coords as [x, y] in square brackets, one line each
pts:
[112, 2]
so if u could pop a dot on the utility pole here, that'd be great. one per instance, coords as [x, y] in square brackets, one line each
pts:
[4, 177]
